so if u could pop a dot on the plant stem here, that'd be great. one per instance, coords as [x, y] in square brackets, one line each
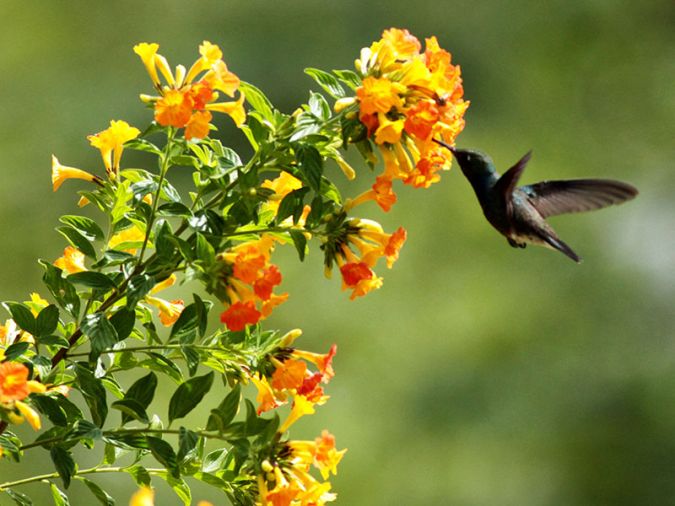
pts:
[92, 470]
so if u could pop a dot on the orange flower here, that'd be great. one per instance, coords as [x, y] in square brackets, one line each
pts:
[379, 95]
[301, 407]
[13, 382]
[174, 108]
[186, 101]
[266, 398]
[72, 261]
[289, 375]
[360, 278]
[324, 362]
[266, 282]
[239, 315]
[169, 312]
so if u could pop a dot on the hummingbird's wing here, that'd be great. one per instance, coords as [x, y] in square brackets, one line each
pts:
[506, 184]
[551, 198]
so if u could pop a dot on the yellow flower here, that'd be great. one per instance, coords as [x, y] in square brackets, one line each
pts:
[169, 312]
[111, 143]
[282, 185]
[379, 95]
[145, 496]
[301, 407]
[128, 236]
[36, 303]
[388, 131]
[147, 53]
[234, 110]
[29, 414]
[62, 172]
[72, 261]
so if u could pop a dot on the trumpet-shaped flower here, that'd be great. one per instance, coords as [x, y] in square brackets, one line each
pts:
[189, 97]
[61, 173]
[111, 143]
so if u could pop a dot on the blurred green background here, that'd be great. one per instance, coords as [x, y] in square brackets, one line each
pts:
[479, 374]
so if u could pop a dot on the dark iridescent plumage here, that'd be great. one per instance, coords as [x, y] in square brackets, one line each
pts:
[519, 213]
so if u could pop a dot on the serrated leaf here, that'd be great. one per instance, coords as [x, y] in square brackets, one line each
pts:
[47, 321]
[101, 333]
[188, 395]
[92, 279]
[63, 462]
[77, 240]
[328, 82]
[100, 494]
[22, 316]
[86, 226]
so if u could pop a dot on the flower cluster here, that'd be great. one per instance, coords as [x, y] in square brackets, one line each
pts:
[356, 245]
[189, 96]
[286, 478]
[110, 142]
[406, 99]
[249, 280]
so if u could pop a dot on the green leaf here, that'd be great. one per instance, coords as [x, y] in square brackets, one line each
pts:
[192, 358]
[311, 165]
[185, 328]
[131, 408]
[140, 475]
[101, 333]
[139, 286]
[203, 309]
[164, 454]
[349, 77]
[22, 316]
[164, 246]
[123, 321]
[329, 83]
[187, 442]
[139, 144]
[64, 463]
[319, 107]
[60, 499]
[92, 279]
[63, 291]
[181, 489]
[18, 497]
[50, 407]
[86, 226]
[47, 321]
[205, 251]
[221, 417]
[188, 395]
[142, 392]
[215, 460]
[300, 242]
[100, 494]
[15, 350]
[94, 394]
[291, 203]
[78, 240]
[258, 100]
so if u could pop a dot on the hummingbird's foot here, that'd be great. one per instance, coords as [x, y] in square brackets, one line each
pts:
[514, 244]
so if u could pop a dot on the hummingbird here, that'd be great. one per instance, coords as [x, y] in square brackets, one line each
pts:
[519, 212]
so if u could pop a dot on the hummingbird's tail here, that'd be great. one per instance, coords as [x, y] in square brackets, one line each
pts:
[557, 243]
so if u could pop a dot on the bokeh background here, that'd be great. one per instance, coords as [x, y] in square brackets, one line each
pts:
[479, 374]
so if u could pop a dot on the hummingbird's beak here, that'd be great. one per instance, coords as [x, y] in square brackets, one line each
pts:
[446, 145]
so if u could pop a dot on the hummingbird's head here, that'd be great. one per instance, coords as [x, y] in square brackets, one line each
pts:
[473, 163]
